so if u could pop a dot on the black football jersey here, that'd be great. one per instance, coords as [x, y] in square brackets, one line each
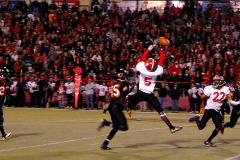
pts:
[236, 95]
[3, 89]
[119, 92]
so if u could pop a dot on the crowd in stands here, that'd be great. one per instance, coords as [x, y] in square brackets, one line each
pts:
[43, 41]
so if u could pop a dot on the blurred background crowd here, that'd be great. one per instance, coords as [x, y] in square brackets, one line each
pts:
[41, 44]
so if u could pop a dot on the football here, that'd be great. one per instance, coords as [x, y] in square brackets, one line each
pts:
[164, 41]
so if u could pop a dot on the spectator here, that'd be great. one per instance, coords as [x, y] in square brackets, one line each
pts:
[31, 85]
[50, 90]
[42, 86]
[175, 94]
[162, 92]
[102, 91]
[21, 87]
[89, 88]
[69, 92]
[61, 95]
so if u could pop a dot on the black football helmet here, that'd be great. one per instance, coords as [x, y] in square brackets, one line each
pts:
[238, 85]
[218, 81]
[121, 74]
[4, 73]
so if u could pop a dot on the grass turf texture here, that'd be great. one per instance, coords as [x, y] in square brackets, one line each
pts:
[48, 134]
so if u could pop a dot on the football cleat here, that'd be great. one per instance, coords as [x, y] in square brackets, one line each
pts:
[175, 129]
[195, 118]
[209, 144]
[6, 136]
[102, 124]
[105, 147]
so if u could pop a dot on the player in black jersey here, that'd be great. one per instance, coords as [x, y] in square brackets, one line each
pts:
[236, 109]
[3, 89]
[120, 90]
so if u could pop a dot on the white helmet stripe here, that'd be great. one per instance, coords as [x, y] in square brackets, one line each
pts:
[152, 64]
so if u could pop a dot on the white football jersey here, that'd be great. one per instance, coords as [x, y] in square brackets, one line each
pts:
[147, 79]
[52, 85]
[102, 90]
[31, 85]
[215, 97]
[69, 87]
[194, 91]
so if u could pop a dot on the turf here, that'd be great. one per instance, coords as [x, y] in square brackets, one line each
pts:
[52, 134]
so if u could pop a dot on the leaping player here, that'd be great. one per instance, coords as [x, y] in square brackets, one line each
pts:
[149, 70]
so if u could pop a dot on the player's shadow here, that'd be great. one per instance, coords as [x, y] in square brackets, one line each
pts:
[173, 143]
[228, 141]
[24, 134]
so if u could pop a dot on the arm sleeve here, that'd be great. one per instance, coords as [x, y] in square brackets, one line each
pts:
[161, 58]
[233, 103]
[144, 57]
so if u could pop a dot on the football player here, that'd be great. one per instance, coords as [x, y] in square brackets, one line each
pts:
[216, 93]
[236, 109]
[3, 73]
[120, 90]
[149, 70]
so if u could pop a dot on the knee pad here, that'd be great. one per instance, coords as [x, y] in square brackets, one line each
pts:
[200, 126]
[1, 119]
[219, 128]
[123, 127]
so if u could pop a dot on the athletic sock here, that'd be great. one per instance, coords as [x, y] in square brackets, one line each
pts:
[2, 129]
[110, 136]
[227, 124]
[165, 119]
[214, 133]
[108, 123]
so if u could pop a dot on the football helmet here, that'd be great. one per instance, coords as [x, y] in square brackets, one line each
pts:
[151, 64]
[218, 81]
[238, 84]
[4, 73]
[120, 75]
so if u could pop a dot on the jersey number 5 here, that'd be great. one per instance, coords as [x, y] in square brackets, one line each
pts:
[115, 91]
[2, 90]
[218, 94]
[146, 82]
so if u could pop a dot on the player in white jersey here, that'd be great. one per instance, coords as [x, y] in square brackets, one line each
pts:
[216, 95]
[195, 98]
[31, 85]
[69, 92]
[102, 90]
[149, 70]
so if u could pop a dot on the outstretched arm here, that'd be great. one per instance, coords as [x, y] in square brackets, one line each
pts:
[144, 57]
[160, 63]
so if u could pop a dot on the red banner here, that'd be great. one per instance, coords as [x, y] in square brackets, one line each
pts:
[77, 83]
[70, 3]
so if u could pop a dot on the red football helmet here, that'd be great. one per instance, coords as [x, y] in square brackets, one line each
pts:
[218, 81]
[151, 64]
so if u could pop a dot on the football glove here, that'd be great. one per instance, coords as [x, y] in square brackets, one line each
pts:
[150, 47]
[129, 112]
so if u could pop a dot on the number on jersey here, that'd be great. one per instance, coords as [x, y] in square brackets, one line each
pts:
[222, 94]
[146, 82]
[115, 90]
[2, 91]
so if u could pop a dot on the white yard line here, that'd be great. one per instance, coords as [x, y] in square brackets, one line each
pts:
[80, 139]
[234, 157]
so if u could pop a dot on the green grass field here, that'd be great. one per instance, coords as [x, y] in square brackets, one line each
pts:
[52, 134]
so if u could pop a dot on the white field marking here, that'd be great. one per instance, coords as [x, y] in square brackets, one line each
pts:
[80, 139]
[234, 157]
[41, 122]
[80, 110]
